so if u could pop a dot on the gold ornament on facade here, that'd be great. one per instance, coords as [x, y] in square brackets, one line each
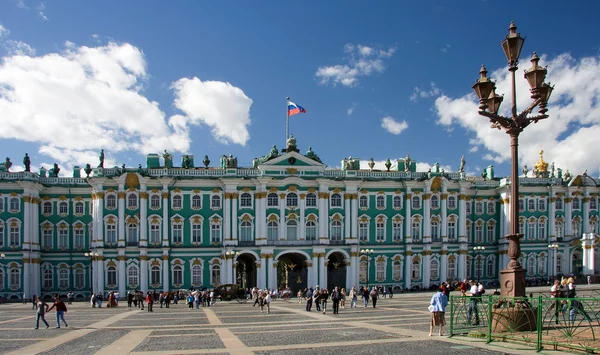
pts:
[302, 196]
[62, 198]
[291, 171]
[143, 194]
[436, 184]
[444, 196]
[35, 201]
[26, 199]
[282, 196]
[121, 194]
[164, 195]
[132, 180]
[444, 252]
[451, 257]
[586, 200]
[293, 188]
[121, 258]
[364, 191]
[14, 194]
[426, 252]
[144, 257]
[408, 196]
[463, 252]
[408, 253]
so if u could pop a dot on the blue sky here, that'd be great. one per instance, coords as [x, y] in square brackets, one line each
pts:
[378, 79]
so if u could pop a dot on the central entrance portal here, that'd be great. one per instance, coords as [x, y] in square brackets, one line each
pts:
[336, 271]
[292, 272]
[246, 271]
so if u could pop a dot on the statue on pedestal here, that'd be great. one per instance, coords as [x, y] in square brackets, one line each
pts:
[525, 170]
[552, 170]
[87, 170]
[55, 169]
[101, 157]
[407, 163]
[206, 161]
[437, 167]
[186, 162]
[27, 163]
[7, 164]
[461, 168]
[371, 163]
[388, 164]
[310, 154]
[168, 159]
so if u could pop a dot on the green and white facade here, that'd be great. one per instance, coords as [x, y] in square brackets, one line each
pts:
[288, 220]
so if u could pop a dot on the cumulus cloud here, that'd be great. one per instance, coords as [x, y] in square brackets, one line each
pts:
[4, 32]
[360, 61]
[565, 136]
[221, 106]
[18, 48]
[425, 93]
[392, 126]
[84, 99]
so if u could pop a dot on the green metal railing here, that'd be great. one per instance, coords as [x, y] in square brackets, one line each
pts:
[540, 322]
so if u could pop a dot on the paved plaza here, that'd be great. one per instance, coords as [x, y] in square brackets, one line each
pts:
[396, 326]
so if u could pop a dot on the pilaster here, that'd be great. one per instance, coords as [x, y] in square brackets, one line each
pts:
[121, 216]
[122, 274]
[166, 222]
[165, 270]
[143, 218]
[408, 217]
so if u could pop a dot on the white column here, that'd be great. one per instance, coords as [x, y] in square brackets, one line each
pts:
[37, 282]
[353, 269]
[322, 270]
[100, 271]
[444, 222]
[272, 273]
[302, 221]
[94, 272]
[282, 234]
[462, 264]
[426, 217]
[315, 269]
[354, 234]
[444, 266]
[407, 269]
[260, 272]
[27, 274]
[408, 217]
[121, 216]
[310, 280]
[122, 273]
[586, 213]
[144, 273]
[426, 265]
[462, 215]
[143, 218]
[323, 216]
[347, 214]
[552, 217]
[234, 217]
[165, 270]
[569, 217]
[349, 279]
[226, 216]
[26, 227]
[506, 205]
[99, 223]
[261, 218]
[502, 223]
[165, 222]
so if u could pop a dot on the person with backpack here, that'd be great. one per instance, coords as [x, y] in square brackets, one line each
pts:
[61, 309]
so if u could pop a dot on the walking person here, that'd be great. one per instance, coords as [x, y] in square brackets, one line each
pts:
[317, 299]
[437, 307]
[34, 302]
[472, 309]
[336, 297]
[129, 300]
[323, 298]
[149, 300]
[42, 308]
[365, 295]
[309, 299]
[342, 298]
[353, 295]
[161, 300]
[267, 302]
[61, 309]
[374, 296]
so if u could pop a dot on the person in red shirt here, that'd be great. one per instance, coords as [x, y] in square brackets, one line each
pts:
[61, 309]
[149, 300]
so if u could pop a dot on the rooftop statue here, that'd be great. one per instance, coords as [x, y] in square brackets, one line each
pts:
[272, 154]
[552, 170]
[437, 167]
[567, 176]
[310, 154]
[101, 158]
[525, 170]
[27, 163]
[350, 164]
[187, 162]
[206, 161]
[168, 159]
[291, 144]
[228, 161]
[87, 170]
[388, 164]
[461, 168]
[7, 164]
[55, 170]
[371, 163]
[407, 163]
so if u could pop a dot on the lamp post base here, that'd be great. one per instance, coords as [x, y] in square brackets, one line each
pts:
[512, 282]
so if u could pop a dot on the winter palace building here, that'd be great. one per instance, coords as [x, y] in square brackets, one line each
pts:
[286, 221]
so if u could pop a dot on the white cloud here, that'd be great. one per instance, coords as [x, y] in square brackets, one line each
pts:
[18, 48]
[392, 126]
[565, 136]
[351, 110]
[222, 106]
[21, 4]
[84, 99]
[423, 94]
[360, 61]
[40, 9]
[4, 32]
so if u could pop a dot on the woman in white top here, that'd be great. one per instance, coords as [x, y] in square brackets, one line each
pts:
[268, 302]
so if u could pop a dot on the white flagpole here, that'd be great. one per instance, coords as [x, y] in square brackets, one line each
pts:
[287, 120]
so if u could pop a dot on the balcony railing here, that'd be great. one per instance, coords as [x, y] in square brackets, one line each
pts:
[131, 244]
[246, 243]
[336, 242]
[292, 242]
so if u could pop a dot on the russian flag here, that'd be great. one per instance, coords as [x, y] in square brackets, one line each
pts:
[294, 109]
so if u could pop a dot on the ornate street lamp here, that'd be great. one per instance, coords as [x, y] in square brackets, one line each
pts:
[92, 257]
[553, 248]
[512, 279]
[479, 249]
[368, 253]
[232, 255]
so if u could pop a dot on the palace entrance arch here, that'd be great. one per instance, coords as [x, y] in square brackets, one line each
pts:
[336, 271]
[246, 271]
[292, 272]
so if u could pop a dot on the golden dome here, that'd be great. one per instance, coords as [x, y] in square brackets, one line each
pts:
[541, 165]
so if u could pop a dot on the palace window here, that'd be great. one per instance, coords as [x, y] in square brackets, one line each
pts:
[132, 202]
[196, 232]
[15, 278]
[272, 230]
[362, 272]
[491, 208]
[380, 271]
[48, 277]
[311, 200]
[47, 235]
[380, 202]
[416, 230]
[435, 269]
[558, 227]
[1, 239]
[47, 208]
[177, 275]
[336, 230]
[577, 228]
[469, 265]
[451, 230]
[531, 264]
[154, 232]
[435, 232]
[531, 204]
[490, 267]
[79, 238]
[196, 275]
[468, 230]
[215, 274]
[111, 202]
[380, 231]
[336, 200]
[197, 202]
[363, 202]
[79, 208]
[521, 225]
[593, 203]
[111, 275]
[246, 200]
[451, 202]
[397, 202]
[79, 278]
[292, 200]
[397, 270]
[111, 233]
[215, 202]
[416, 269]
[292, 230]
[478, 233]
[1, 209]
[215, 232]
[468, 207]
[363, 231]
[132, 233]
[154, 202]
[542, 229]
[491, 232]
[272, 200]
[435, 202]
[542, 265]
[63, 238]
[451, 268]
[15, 204]
[63, 278]
[132, 276]
[576, 204]
[521, 205]
[177, 233]
[397, 231]
[311, 230]
[558, 204]
[63, 208]
[416, 203]
[478, 207]
[559, 264]
[246, 231]
[177, 202]
[155, 275]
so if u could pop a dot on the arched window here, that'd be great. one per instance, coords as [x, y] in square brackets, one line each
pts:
[1, 273]
[132, 201]
[132, 276]
[435, 231]
[479, 232]
[380, 230]
[292, 200]
[521, 205]
[177, 231]
[292, 230]
[435, 269]
[196, 232]
[416, 203]
[336, 230]
[79, 278]
[79, 208]
[542, 264]
[397, 230]
[576, 204]
[363, 202]
[416, 269]
[336, 200]
[1, 204]
[272, 230]
[469, 265]
[111, 276]
[246, 200]
[491, 232]
[558, 204]
[363, 230]
[15, 279]
[272, 200]
[542, 229]
[531, 265]
[155, 275]
[451, 229]
[154, 202]
[63, 208]
[311, 200]
[311, 230]
[132, 234]
[380, 202]
[380, 270]
[478, 207]
[362, 272]
[47, 208]
[416, 229]
[63, 278]
[397, 202]
[531, 204]
[154, 232]
[246, 231]
[215, 274]
[215, 202]
[177, 202]
[576, 227]
[397, 270]
[15, 204]
[111, 233]
[559, 264]
[542, 205]
[196, 202]
[111, 202]
[48, 278]
[490, 267]
[196, 275]
[177, 275]
[451, 274]
[491, 208]
[215, 231]
[593, 203]
[434, 202]
[47, 236]
[451, 202]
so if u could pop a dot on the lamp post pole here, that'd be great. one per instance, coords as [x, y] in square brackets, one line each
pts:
[92, 257]
[368, 253]
[479, 249]
[553, 248]
[512, 279]
[232, 255]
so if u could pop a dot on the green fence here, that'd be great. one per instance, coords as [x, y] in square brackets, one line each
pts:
[542, 322]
